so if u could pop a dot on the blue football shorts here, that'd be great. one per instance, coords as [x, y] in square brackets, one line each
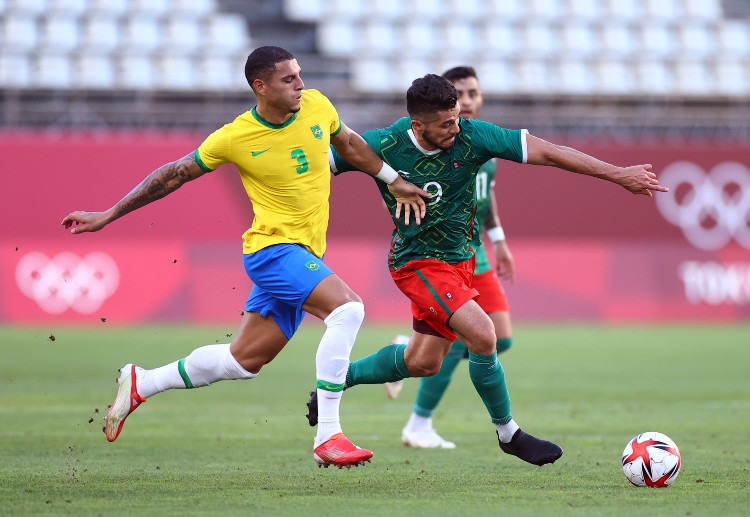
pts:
[283, 277]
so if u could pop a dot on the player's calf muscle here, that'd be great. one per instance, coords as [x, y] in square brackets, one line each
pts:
[423, 369]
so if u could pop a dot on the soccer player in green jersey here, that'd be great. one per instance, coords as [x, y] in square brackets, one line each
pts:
[280, 147]
[418, 431]
[433, 263]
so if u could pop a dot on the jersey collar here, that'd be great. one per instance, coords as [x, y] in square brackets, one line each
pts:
[266, 123]
[422, 149]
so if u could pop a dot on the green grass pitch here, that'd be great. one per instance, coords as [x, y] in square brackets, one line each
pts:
[244, 447]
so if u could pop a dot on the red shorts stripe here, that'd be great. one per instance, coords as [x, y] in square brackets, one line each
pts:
[492, 297]
[436, 290]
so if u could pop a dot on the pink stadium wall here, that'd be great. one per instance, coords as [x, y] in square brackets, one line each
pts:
[585, 249]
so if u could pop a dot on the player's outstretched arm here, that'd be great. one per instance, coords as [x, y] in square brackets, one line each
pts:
[638, 179]
[355, 150]
[164, 180]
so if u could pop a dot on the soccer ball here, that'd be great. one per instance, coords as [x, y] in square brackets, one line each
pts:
[651, 459]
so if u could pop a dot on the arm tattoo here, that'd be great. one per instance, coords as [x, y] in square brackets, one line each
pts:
[164, 180]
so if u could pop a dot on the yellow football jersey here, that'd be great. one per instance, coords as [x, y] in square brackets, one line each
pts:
[285, 171]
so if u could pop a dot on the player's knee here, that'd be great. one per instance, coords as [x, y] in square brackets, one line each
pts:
[482, 346]
[350, 315]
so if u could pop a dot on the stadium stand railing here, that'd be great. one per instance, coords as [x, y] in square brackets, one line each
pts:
[551, 46]
[564, 65]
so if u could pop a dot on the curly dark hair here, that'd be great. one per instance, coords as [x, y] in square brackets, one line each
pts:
[430, 94]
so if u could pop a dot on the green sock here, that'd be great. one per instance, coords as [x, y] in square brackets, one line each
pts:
[489, 380]
[503, 344]
[431, 389]
[385, 365]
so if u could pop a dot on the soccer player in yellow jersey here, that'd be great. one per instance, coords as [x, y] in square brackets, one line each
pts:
[281, 150]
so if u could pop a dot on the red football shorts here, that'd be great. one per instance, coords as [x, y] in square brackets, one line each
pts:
[436, 290]
[492, 296]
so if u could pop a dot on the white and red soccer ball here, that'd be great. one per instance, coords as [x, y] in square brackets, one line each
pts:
[651, 459]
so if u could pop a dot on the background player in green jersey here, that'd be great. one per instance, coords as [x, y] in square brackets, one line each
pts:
[289, 192]
[419, 431]
[433, 263]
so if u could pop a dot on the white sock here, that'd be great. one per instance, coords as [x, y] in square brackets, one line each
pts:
[506, 431]
[328, 404]
[332, 362]
[418, 423]
[151, 382]
[204, 366]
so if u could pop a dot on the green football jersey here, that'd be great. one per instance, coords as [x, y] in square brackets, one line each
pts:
[449, 230]
[485, 182]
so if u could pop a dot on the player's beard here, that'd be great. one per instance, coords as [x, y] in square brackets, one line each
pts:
[435, 143]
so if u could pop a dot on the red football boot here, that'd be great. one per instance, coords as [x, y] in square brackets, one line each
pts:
[126, 401]
[340, 452]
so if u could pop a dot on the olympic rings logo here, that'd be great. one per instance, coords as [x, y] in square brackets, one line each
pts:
[67, 281]
[711, 209]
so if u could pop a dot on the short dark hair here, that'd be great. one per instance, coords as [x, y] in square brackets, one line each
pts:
[460, 72]
[430, 94]
[261, 63]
